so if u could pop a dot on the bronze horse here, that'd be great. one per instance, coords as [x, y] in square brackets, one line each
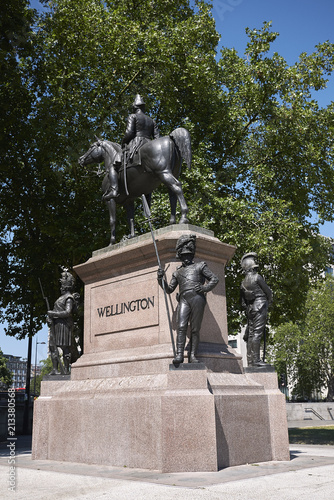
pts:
[161, 161]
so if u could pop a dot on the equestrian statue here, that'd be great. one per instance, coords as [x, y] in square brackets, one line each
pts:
[140, 165]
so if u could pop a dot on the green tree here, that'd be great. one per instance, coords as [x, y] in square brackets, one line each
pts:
[18, 234]
[306, 350]
[270, 152]
[86, 60]
[262, 149]
[6, 376]
[46, 369]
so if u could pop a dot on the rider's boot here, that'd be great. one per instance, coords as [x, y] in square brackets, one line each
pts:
[112, 191]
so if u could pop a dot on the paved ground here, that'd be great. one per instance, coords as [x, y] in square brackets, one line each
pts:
[309, 475]
[297, 424]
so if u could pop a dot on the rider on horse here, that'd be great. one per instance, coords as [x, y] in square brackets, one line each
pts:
[139, 130]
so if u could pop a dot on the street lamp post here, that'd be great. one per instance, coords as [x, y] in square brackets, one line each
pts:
[26, 424]
[36, 365]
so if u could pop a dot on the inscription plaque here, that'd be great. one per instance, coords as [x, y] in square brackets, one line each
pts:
[126, 305]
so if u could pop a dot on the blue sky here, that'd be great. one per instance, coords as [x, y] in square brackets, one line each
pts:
[302, 24]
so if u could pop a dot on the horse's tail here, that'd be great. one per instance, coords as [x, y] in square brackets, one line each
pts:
[181, 137]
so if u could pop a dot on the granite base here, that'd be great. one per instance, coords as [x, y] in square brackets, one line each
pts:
[124, 406]
[180, 420]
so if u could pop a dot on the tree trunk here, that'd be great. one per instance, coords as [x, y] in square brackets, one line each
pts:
[330, 394]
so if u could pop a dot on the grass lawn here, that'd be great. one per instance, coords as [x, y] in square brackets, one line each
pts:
[312, 435]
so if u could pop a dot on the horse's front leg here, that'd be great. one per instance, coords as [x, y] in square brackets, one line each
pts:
[112, 220]
[130, 215]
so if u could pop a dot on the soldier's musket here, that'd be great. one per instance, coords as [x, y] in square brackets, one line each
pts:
[147, 214]
[52, 340]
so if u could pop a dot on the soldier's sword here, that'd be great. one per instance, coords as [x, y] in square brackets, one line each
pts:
[147, 214]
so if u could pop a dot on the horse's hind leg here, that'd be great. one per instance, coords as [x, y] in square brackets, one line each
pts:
[174, 186]
[173, 202]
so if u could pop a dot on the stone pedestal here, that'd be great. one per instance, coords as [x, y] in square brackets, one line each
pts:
[126, 405]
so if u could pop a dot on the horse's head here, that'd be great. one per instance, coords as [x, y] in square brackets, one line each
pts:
[95, 154]
[100, 151]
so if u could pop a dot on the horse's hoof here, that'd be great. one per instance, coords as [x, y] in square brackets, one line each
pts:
[128, 237]
[172, 221]
[184, 220]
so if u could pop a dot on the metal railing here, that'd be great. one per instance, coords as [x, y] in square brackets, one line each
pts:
[311, 410]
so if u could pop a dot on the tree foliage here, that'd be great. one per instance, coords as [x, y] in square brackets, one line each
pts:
[262, 148]
[273, 153]
[46, 368]
[6, 376]
[82, 65]
[306, 350]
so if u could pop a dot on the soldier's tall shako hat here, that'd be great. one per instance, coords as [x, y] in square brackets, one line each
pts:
[248, 261]
[138, 102]
[186, 244]
[67, 281]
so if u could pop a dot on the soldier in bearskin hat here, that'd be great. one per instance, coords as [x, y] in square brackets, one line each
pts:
[194, 279]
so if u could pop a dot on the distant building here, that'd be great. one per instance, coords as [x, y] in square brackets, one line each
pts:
[18, 367]
[237, 342]
[38, 371]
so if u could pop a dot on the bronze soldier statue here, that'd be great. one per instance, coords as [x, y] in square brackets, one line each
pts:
[60, 320]
[191, 278]
[139, 130]
[255, 298]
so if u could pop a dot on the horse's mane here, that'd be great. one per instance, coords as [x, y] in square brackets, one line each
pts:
[114, 145]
